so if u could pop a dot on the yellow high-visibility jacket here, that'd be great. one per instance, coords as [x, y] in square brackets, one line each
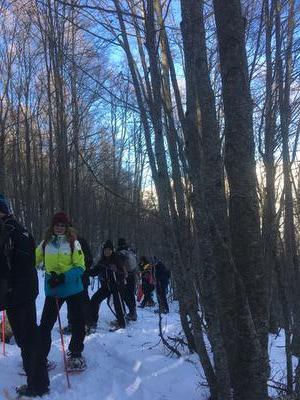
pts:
[58, 257]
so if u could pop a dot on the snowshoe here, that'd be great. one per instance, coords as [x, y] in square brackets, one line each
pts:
[90, 329]
[116, 327]
[24, 390]
[75, 362]
[150, 303]
[131, 316]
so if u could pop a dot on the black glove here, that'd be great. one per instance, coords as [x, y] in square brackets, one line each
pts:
[98, 269]
[56, 279]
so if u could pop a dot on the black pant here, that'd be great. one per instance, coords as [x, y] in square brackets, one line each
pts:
[129, 293]
[22, 319]
[75, 306]
[86, 305]
[147, 290]
[161, 291]
[107, 289]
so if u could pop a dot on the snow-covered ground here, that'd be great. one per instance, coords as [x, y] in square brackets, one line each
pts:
[130, 364]
[278, 361]
[127, 364]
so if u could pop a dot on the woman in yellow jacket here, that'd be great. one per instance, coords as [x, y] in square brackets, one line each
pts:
[63, 261]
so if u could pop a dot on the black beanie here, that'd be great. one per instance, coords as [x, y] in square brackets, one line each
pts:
[108, 245]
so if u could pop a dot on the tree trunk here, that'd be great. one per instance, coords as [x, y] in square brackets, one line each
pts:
[243, 201]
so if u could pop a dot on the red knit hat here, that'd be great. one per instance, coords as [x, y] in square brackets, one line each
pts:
[60, 218]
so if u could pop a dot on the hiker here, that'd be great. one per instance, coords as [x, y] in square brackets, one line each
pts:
[129, 258]
[88, 261]
[63, 259]
[112, 274]
[18, 292]
[147, 282]
[162, 276]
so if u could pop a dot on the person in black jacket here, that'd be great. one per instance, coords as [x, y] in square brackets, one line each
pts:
[124, 252]
[112, 274]
[18, 291]
[88, 260]
[162, 276]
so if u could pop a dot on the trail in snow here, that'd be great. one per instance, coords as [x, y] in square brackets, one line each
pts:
[127, 364]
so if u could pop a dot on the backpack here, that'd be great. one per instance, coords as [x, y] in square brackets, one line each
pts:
[131, 261]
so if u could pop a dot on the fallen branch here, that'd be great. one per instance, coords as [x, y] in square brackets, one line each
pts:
[172, 349]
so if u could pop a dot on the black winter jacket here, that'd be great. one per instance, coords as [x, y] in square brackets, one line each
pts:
[106, 267]
[17, 263]
[162, 274]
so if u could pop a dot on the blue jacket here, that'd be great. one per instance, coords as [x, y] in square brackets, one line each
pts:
[72, 285]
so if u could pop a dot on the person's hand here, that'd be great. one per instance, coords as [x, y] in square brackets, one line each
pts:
[93, 272]
[56, 279]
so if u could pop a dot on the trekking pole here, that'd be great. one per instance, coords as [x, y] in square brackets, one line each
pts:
[3, 332]
[120, 299]
[62, 343]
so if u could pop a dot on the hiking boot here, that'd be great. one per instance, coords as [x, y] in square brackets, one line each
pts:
[150, 303]
[24, 390]
[116, 327]
[75, 362]
[131, 316]
[67, 330]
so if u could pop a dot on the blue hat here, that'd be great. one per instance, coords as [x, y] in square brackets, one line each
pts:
[4, 205]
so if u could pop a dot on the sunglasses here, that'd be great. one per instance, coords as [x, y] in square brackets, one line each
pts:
[60, 225]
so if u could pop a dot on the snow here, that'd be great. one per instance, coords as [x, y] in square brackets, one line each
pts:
[130, 364]
[127, 364]
[278, 361]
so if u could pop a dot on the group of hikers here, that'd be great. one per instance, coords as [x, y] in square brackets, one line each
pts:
[68, 266]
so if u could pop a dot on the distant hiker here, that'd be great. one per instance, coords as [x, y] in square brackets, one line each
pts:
[162, 276]
[63, 259]
[147, 282]
[18, 291]
[112, 274]
[88, 261]
[129, 258]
